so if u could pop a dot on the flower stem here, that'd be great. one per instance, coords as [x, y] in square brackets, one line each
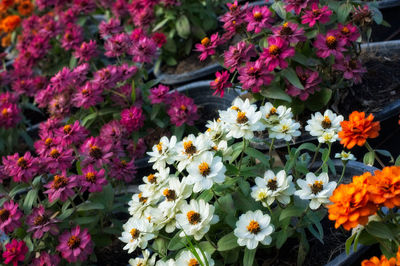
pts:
[369, 148]
[315, 154]
[327, 157]
[343, 171]
[271, 147]
[241, 156]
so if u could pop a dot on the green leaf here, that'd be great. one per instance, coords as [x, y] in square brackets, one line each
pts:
[257, 155]
[205, 195]
[171, 61]
[343, 12]
[279, 9]
[249, 255]
[274, 92]
[349, 241]
[161, 24]
[305, 60]
[244, 186]
[133, 92]
[178, 131]
[319, 99]
[65, 214]
[292, 77]
[369, 158]
[183, 26]
[160, 245]
[88, 206]
[377, 15]
[18, 189]
[30, 199]
[105, 197]
[72, 62]
[291, 211]
[397, 162]
[86, 220]
[177, 242]
[380, 230]
[386, 153]
[282, 236]
[101, 240]
[207, 247]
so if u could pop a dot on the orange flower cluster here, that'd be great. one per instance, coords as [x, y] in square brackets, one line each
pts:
[355, 202]
[383, 261]
[358, 129]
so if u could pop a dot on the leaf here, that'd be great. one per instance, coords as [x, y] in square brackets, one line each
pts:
[177, 242]
[379, 230]
[274, 92]
[386, 153]
[303, 248]
[160, 24]
[86, 220]
[282, 236]
[349, 241]
[249, 255]
[279, 9]
[105, 197]
[65, 214]
[376, 15]
[343, 12]
[291, 211]
[72, 62]
[304, 60]
[133, 92]
[397, 162]
[205, 195]
[160, 245]
[257, 155]
[207, 247]
[183, 26]
[292, 77]
[30, 199]
[88, 206]
[18, 189]
[369, 158]
[319, 99]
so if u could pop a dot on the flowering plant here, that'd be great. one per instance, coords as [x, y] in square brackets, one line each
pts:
[214, 199]
[297, 53]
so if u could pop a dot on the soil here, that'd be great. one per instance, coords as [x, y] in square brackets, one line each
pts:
[191, 63]
[380, 86]
[114, 254]
[154, 135]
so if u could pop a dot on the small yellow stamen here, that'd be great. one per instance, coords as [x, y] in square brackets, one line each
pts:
[253, 227]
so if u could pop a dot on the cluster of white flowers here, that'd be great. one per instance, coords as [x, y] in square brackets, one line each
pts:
[166, 199]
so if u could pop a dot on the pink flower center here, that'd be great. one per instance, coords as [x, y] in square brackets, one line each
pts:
[5, 112]
[48, 141]
[74, 242]
[273, 49]
[316, 12]
[4, 214]
[22, 163]
[331, 42]
[59, 182]
[40, 219]
[286, 30]
[345, 30]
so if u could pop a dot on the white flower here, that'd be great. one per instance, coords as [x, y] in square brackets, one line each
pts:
[155, 217]
[162, 153]
[241, 120]
[186, 258]
[138, 204]
[170, 262]
[317, 189]
[286, 129]
[153, 183]
[190, 147]
[253, 227]
[271, 115]
[319, 124]
[271, 187]
[215, 130]
[204, 171]
[137, 232]
[145, 261]
[345, 156]
[328, 137]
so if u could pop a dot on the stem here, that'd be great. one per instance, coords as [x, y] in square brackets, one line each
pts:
[315, 154]
[72, 203]
[269, 209]
[369, 148]
[326, 159]
[271, 147]
[209, 240]
[344, 169]
[241, 156]
[288, 147]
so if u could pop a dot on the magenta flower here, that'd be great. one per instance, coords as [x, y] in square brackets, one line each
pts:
[95, 151]
[144, 50]
[75, 245]
[259, 18]
[8, 97]
[182, 110]
[237, 54]
[15, 252]
[138, 149]
[159, 38]
[123, 170]
[220, 83]
[291, 32]
[254, 75]
[10, 217]
[62, 187]
[111, 27]
[40, 222]
[87, 96]
[348, 32]
[72, 37]
[21, 169]
[92, 180]
[45, 145]
[113, 131]
[48, 127]
[10, 115]
[59, 158]
[74, 133]
[297, 5]
[86, 51]
[132, 118]
[316, 14]
[310, 81]
[351, 68]
[117, 45]
[207, 46]
[45, 259]
[235, 17]
[158, 94]
[329, 44]
[276, 53]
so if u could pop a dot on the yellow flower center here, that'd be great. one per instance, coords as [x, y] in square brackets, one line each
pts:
[326, 123]
[4, 214]
[257, 15]
[331, 41]
[59, 181]
[273, 49]
[22, 163]
[67, 129]
[345, 30]
[48, 141]
[204, 169]
[95, 152]
[5, 112]
[189, 148]
[193, 262]
[134, 233]
[91, 177]
[159, 147]
[152, 179]
[272, 184]
[169, 194]
[193, 217]
[235, 108]
[241, 118]
[271, 112]
[141, 198]
[54, 153]
[317, 187]
[205, 42]
[74, 242]
[285, 128]
[253, 227]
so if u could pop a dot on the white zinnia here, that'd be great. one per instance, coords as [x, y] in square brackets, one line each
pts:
[204, 171]
[170, 262]
[345, 156]
[252, 228]
[286, 129]
[145, 261]
[162, 153]
[320, 124]
[271, 115]
[328, 137]
[318, 189]
[138, 204]
[273, 187]
[191, 147]
[137, 233]
[153, 183]
[187, 258]
[195, 218]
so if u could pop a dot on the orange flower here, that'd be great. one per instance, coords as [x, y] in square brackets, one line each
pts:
[358, 129]
[384, 187]
[374, 261]
[25, 8]
[351, 205]
[6, 40]
[7, 3]
[10, 23]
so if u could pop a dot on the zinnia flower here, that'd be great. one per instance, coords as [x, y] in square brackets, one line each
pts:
[74, 133]
[182, 110]
[375, 261]
[87, 96]
[21, 169]
[351, 68]
[61, 187]
[159, 38]
[86, 51]
[158, 94]
[220, 83]
[330, 44]
[237, 54]
[348, 32]
[10, 217]
[310, 81]
[259, 18]
[358, 129]
[9, 23]
[316, 14]
[40, 222]
[207, 46]
[15, 252]
[95, 151]
[291, 32]
[93, 180]
[132, 118]
[254, 76]
[45, 259]
[384, 187]
[10, 115]
[276, 53]
[297, 5]
[75, 245]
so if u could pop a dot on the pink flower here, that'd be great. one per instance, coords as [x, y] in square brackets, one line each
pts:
[159, 38]
[10, 217]
[138, 149]
[297, 5]
[348, 32]
[144, 50]
[87, 96]
[43, 146]
[40, 222]
[182, 110]
[113, 130]
[111, 27]
[61, 187]
[309, 79]
[59, 158]
[86, 51]
[316, 14]
[132, 118]
[122, 170]
[220, 83]
[47, 128]
[235, 17]
[74, 133]
[329, 44]
[158, 94]
[207, 46]
[254, 75]
[75, 245]
[351, 68]
[72, 37]
[15, 252]
[21, 169]
[95, 151]
[92, 180]
[8, 97]
[45, 259]
[276, 53]
[291, 32]
[10, 115]
[259, 18]
[117, 45]
[237, 54]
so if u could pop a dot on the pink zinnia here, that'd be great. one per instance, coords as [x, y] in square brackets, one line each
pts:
[297, 5]
[207, 46]
[351, 68]
[44, 145]
[259, 18]
[310, 81]
[92, 180]
[291, 32]
[144, 50]
[235, 17]
[58, 158]
[132, 118]
[122, 170]
[40, 222]
[117, 45]
[330, 44]
[316, 14]
[95, 151]
[348, 32]
[10, 217]
[62, 187]
[138, 149]
[87, 96]
[158, 94]
[45, 259]
[10, 115]
[75, 245]
[254, 75]
[220, 83]
[159, 38]
[72, 133]
[72, 37]
[21, 169]
[86, 51]
[237, 54]
[15, 252]
[276, 53]
[182, 110]
[111, 27]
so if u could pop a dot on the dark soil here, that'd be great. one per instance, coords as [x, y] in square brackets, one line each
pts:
[114, 254]
[380, 86]
[154, 135]
[191, 63]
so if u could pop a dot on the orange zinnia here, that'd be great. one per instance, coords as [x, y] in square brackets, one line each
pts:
[25, 8]
[374, 261]
[351, 205]
[384, 187]
[6, 40]
[10, 23]
[358, 129]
